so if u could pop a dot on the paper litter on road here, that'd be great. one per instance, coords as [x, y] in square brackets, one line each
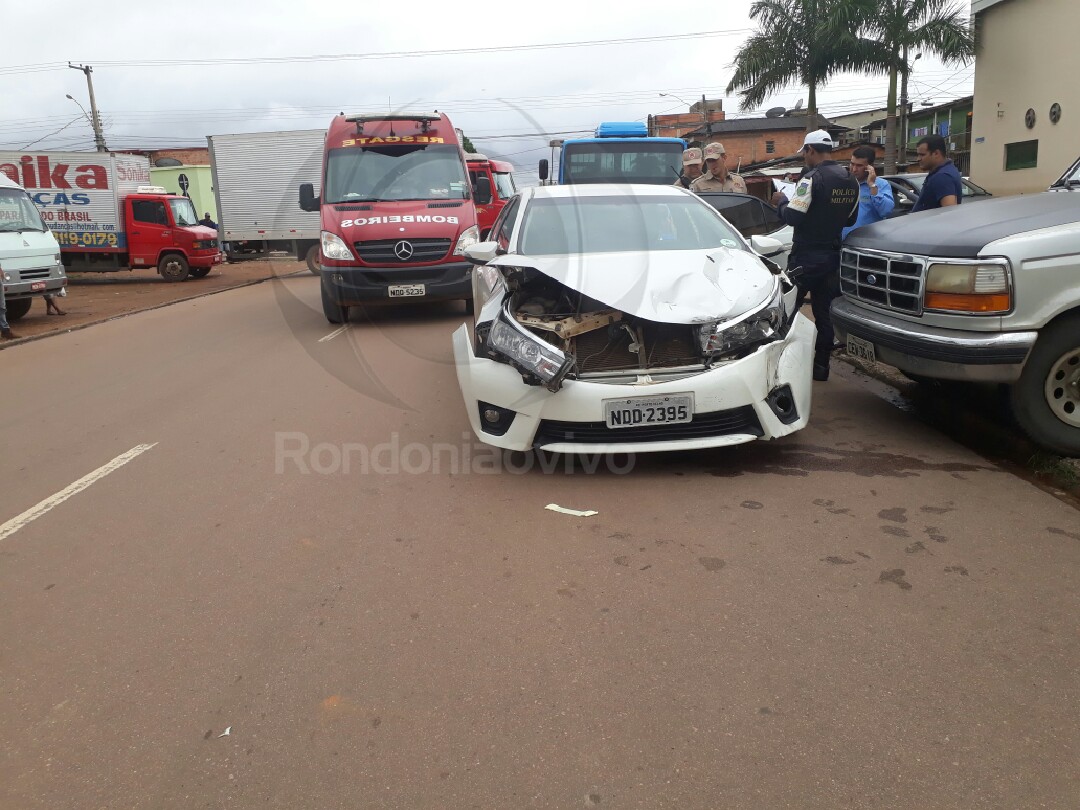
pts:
[562, 510]
[225, 733]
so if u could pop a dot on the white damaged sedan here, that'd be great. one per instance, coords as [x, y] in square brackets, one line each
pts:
[627, 318]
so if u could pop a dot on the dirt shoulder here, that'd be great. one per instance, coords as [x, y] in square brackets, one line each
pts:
[96, 297]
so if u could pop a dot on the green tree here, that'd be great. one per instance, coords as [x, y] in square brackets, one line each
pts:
[467, 145]
[899, 27]
[801, 41]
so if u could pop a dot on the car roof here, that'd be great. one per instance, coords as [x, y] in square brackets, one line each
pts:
[607, 190]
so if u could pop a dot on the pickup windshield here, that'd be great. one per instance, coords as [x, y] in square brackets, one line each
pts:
[622, 224]
[431, 172]
[622, 162]
[18, 212]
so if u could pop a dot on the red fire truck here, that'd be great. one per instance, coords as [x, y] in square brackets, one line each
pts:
[397, 212]
[500, 179]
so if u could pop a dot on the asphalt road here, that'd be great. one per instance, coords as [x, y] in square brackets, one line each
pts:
[272, 599]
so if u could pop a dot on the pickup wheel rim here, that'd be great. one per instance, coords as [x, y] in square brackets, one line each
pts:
[1063, 388]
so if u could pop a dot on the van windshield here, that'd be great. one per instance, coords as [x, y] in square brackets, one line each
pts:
[622, 162]
[388, 173]
[18, 212]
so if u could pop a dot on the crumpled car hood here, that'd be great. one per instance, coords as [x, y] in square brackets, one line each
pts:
[687, 286]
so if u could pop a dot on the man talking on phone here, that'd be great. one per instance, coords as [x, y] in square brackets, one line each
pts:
[875, 194]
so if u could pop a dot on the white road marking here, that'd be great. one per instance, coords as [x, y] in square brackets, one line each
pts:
[50, 503]
[334, 334]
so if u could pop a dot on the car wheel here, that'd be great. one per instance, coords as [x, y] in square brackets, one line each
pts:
[173, 267]
[334, 312]
[18, 307]
[1046, 399]
[312, 259]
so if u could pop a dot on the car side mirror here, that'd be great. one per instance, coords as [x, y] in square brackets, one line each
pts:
[767, 246]
[483, 190]
[543, 169]
[308, 200]
[481, 253]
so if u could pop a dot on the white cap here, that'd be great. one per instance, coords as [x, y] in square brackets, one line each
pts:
[819, 137]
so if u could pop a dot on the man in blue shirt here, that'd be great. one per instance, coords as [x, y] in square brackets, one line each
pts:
[942, 186]
[875, 194]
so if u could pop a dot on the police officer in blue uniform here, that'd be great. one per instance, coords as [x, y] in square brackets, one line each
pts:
[826, 200]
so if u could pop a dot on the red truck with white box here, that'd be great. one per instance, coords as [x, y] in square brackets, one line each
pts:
[106, 216]
[397, 212]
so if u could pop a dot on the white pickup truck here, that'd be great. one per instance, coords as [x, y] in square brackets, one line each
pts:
[985, 293]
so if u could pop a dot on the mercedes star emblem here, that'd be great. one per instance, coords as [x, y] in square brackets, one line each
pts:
[403, 250]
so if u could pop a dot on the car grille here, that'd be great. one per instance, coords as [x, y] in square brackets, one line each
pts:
[666, 346]
[383, 251]
[892, 282]
[732, 422]
[30, 275]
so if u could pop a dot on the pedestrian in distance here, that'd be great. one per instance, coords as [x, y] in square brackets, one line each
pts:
[209, 223]
[826, 200]
[942, 187]
[875, 194]
[716, 176]
[691, 163]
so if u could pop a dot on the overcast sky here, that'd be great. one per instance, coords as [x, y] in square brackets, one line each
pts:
[489, 95]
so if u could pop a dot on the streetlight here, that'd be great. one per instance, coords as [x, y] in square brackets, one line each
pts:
[904, 105]
[84, 112]
[706, 127]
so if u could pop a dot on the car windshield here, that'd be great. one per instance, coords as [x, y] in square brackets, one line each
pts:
[504, 184]
[18, 212]
[183, 212]
[430, 172]
[622, 162]
[622, 224]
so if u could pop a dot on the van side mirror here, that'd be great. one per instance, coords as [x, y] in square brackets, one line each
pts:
[483, 190]
[308, 200]
[543, 169]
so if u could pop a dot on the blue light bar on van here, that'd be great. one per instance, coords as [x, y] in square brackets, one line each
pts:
[622, 129]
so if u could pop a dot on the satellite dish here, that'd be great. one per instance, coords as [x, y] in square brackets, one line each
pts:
[167, 161]
[775, 112]
[798, 105]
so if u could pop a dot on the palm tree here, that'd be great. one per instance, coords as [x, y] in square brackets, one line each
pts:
[806, 41]
[939, 27]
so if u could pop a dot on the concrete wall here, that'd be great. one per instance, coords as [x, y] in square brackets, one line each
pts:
[200, 186]
[1027, 59]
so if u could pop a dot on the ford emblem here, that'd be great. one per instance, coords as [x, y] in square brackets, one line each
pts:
[871, 279]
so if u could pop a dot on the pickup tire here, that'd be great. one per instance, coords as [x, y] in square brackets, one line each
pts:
[1046, 399]
[312, 259]
[18, 308]
[173, 267]
[200, 272]
[334, 312]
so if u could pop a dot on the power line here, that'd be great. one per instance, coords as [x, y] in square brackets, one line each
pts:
[265, 60]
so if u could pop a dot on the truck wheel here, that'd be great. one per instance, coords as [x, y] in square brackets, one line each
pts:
[334, 312]
[200, 272]
[1046, 399]
[18, 307]
[173, 267]
[312, 259]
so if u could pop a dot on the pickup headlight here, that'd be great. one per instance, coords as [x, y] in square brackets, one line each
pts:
[529, 353]
[761, 326]
[972, 287]
[334, 248]
[469, 237]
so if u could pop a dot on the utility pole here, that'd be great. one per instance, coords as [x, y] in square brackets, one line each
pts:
[904, 108]
[95, 119]
[705, 117]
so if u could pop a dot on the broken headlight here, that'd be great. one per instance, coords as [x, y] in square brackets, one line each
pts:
[530, 354]
[760, 326]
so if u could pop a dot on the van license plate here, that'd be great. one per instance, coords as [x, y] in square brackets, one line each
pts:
[674, 409]
[407, 290]
[857, 347]
[37, 285]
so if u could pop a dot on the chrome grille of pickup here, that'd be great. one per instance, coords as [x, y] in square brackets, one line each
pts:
[892, 282]
[402, 251]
